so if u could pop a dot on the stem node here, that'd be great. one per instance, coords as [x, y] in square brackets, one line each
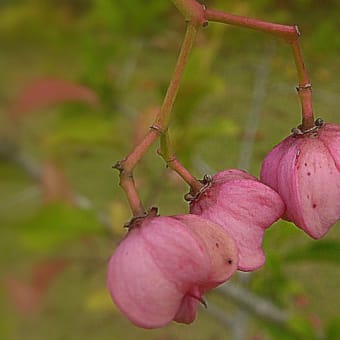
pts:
[118, 166]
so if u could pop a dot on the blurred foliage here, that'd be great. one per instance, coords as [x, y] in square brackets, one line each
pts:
[328, 251]
[123, 53]
[55, 225]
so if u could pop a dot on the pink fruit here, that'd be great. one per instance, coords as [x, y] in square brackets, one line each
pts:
[304, 170]
[161, 269]
[244, 207]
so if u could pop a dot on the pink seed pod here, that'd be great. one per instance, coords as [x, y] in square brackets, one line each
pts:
[304, 170]
[244, 207]
[161, 269]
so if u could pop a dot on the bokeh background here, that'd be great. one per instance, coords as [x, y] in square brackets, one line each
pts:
[81, 81]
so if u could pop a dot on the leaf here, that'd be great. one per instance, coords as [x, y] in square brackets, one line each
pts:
[302, 327]
[333, 329]
[321, 251]
[44, 273]
[75, 133]
[27, 296]
[50, 91]
[23, 296]
[55, 185]
[55, 225]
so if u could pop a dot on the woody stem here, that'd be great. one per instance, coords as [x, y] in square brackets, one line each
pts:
[291, 35]
[127, 165]
[167, 153]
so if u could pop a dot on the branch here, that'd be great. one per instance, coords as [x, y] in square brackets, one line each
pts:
[160, 125]
[291, 35]
[254, 304]
[167, 153]
[9, 151]
[192, 11]
[245, 299]
[197, 15]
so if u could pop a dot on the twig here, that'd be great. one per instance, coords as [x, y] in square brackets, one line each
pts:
[167, 153]
[242, 297]
[254, 304]
[197, 16]
[291, 35]
[160, 125]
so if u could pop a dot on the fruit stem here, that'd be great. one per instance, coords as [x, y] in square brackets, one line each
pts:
[304, 89]
[160, 124]
[167, 153]
[291, 35]
[197, 16]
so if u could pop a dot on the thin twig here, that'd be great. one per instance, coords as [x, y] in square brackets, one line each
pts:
[167, 153]
[251, 302]
[256, 305]
[160, 125]
[291, 35]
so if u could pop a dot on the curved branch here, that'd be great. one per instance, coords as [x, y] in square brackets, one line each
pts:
[160, 124]
[291, 35]
[254, 304]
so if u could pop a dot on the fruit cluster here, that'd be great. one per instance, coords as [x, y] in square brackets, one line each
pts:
[164, 265]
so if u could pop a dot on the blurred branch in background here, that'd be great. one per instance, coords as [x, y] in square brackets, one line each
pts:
[11, 152]
[242, 297]
[253, 304]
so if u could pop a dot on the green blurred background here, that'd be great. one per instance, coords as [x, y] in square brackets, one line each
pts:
[81, 81]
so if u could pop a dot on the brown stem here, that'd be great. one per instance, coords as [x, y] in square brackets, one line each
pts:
[128, 185]
[197, 16]
[304, 89]
[173, 163]
[291, 34]
[282, 31]
[163, 118]
[160, 124]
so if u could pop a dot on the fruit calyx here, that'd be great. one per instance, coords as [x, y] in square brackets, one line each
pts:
[298, 131]
[136, 220]
[194, 196]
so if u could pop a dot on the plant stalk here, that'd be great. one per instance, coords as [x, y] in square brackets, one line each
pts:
[160, 124]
